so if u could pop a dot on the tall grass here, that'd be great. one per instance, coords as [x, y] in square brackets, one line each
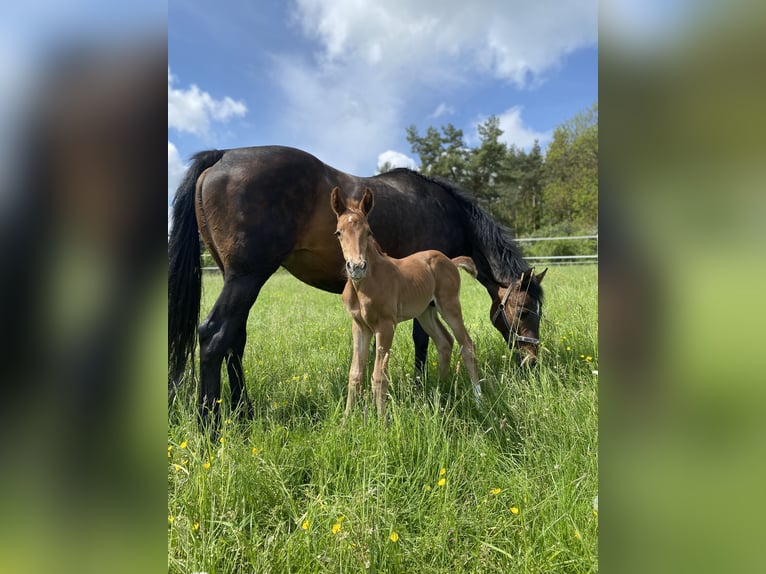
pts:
[449, 486]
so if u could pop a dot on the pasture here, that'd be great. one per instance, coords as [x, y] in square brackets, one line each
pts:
[507, 486]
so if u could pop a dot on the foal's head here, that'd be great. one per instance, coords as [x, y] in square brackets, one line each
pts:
[353, 231]
[516, 314]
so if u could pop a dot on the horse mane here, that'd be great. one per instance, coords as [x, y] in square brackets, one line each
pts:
[493, 243]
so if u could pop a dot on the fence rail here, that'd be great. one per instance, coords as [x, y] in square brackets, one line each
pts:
[562, 259]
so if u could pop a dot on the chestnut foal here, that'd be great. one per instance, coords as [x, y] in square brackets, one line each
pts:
[382, 291]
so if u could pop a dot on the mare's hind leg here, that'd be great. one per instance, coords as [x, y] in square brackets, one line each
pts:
[453, 315]
[220, 335]
[239, 398]
[442, 339]
[420, 341]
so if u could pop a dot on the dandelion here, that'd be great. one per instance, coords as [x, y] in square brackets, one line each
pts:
[219, 401]
[305, 525]
[336, 528]
[588, 359]
[569, 348]
[183, 444]
[195, 526]
[495, 491]
[255, 450]
[514, 509]
[221, 440]
[442, 482]
[394, 537]
[206, 465]
[577, 534]
[442, 472]
[170, 519]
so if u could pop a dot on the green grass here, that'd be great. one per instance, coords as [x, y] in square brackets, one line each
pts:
[298, 489]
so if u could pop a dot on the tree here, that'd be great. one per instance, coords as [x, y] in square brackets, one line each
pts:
[442, 154]
[570, 191]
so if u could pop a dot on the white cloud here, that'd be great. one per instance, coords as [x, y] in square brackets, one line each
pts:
[192, 110]
[396, 159]
[442, 110]
[516, 40]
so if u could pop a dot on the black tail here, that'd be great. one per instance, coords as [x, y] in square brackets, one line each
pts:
[185, 273]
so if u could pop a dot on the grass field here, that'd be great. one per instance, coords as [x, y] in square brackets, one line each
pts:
[449, 486]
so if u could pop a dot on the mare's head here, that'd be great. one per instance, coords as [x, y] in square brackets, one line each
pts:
[516, 314]
[353, 231]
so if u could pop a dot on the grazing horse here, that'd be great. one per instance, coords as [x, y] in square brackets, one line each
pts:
[382, 291]
[261, 207]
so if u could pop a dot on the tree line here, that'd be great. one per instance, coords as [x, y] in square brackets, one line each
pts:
[535, 193]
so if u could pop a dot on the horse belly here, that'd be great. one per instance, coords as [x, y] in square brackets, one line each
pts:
[322, 269]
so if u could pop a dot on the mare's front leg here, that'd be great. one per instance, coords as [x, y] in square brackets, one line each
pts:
[362, 336]
[384, 336]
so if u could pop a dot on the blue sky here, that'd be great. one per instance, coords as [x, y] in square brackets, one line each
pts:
[343, 79]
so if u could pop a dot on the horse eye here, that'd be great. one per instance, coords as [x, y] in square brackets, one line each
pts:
[337, 233]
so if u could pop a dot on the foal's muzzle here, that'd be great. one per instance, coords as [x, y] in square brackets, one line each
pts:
[356, 271]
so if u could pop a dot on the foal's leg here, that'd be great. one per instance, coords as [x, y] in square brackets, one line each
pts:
[362, 337]
[442, 339]
[453, 315]
[384, 336]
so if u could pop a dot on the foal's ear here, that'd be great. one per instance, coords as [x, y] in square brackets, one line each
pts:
[336, 201]
[540, 275]
[367, 202]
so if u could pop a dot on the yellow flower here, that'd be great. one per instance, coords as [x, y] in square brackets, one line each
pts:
[221, 440]
[254, 451]
[394, 537]
[577, 534]
[442, 472]
[336, 528]
[514, 510]
[442, 482]
[195, 526]
[569, 348]
[170, 519]
[219, 401]
[183, 444]
[206, 464]
[305, 525]
[496, 491]
[588, 359]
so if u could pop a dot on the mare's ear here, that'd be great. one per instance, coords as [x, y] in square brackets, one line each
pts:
[367, 202]
[336, 201]
[539, 276]
[526, 276]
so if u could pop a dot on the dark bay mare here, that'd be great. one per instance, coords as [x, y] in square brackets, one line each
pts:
[261, 207]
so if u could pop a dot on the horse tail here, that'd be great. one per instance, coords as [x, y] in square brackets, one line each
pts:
[467, 264]
[185, 273]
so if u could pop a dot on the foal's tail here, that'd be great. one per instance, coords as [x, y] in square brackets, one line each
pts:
[184, 273]
[467, 264]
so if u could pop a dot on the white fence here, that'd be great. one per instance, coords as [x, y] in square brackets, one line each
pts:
[562, 259]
